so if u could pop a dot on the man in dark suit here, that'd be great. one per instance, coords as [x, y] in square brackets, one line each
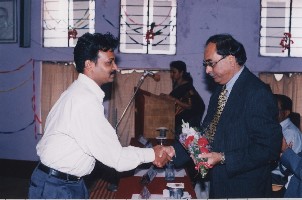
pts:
[247, 137]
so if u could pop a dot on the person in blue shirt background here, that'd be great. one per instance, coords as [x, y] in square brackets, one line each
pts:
[293, 139]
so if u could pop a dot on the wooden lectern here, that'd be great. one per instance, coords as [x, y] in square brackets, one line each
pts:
[151, 112]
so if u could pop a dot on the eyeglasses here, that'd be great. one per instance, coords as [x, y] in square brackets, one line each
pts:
[212, 64]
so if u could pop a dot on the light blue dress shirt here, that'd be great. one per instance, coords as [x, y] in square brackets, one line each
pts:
[231, 83]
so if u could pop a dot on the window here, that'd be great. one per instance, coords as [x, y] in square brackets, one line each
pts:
[66, 20]
[148, 26]
[281, 28]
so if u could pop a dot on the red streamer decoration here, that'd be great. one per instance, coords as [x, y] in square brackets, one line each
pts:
[286, 41]
[36, 118]
[72, 33]
[150, 33]
[4, 72]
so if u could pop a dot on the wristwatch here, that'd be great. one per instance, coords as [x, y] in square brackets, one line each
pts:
[222, 161]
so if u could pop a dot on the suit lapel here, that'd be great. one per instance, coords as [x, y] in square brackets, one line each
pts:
[233, 102]
[237, 90]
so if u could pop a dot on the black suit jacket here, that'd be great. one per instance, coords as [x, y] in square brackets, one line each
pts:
[249, 135]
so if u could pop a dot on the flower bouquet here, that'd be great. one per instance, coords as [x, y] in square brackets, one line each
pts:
[196, 144]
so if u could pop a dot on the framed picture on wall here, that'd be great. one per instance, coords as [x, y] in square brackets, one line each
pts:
[8, 21]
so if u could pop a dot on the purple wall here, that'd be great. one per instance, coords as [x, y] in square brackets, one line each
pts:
[196, 21]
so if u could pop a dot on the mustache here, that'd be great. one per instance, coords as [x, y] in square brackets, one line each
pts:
[113, 72]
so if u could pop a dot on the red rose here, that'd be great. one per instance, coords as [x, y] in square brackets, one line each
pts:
[203, 142]
[189, 140]
[203, 150]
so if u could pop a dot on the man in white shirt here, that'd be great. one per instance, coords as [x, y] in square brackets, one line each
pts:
[77, 132]
[292, 136]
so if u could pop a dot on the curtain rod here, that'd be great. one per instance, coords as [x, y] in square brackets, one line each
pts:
[59, 62]
[150, 69]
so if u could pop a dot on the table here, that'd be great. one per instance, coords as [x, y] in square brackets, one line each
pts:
[130, 185]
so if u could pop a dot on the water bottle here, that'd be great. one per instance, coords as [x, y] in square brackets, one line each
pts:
[169, 172]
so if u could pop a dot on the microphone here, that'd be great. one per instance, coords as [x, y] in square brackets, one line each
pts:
[155, 76]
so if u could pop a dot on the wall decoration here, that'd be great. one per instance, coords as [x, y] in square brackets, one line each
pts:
[36, 119]
[286, 41]
[8, 21]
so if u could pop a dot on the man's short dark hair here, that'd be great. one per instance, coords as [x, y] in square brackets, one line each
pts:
[285, 102]
[89, 45]
[227, 45]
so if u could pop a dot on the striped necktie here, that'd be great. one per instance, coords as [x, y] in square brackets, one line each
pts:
[222, 99]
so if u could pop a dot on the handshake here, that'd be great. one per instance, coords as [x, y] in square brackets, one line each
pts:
[163, 154]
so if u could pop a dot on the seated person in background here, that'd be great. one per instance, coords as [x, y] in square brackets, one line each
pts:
[293, 163]
[292, 137]
[189, 106]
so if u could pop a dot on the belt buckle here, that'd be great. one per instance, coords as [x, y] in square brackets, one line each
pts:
[72, 178]
[56, 173]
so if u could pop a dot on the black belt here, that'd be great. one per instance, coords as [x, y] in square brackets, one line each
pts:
[58, 174]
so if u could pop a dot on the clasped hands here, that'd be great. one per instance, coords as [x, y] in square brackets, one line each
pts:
[163, 154]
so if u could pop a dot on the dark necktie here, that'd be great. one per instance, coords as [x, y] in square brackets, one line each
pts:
[222, 99]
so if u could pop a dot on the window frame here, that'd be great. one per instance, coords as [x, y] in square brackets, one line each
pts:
[67, 28]
[142, 38]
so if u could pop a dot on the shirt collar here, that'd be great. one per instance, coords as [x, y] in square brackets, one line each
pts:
[284, 123]
[231, 83]
[95, 88]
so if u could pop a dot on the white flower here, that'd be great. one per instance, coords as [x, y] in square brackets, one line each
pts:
[186, 129]
[185, 125]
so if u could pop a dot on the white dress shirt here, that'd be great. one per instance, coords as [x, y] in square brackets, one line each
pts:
[77, 133]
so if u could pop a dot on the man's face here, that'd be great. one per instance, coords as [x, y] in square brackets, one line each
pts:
[104, 69]
[223, 68]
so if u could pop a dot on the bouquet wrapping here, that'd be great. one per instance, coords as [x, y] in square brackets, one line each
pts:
[196, 144]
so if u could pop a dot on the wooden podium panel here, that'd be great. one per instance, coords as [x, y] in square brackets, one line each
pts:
[151, 112]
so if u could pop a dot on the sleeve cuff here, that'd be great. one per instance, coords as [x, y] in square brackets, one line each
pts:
[148, 155]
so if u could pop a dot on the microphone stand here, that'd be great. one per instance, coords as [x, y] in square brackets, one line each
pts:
[141, 80]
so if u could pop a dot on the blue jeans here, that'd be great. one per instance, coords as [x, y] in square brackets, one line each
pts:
[45, 186]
